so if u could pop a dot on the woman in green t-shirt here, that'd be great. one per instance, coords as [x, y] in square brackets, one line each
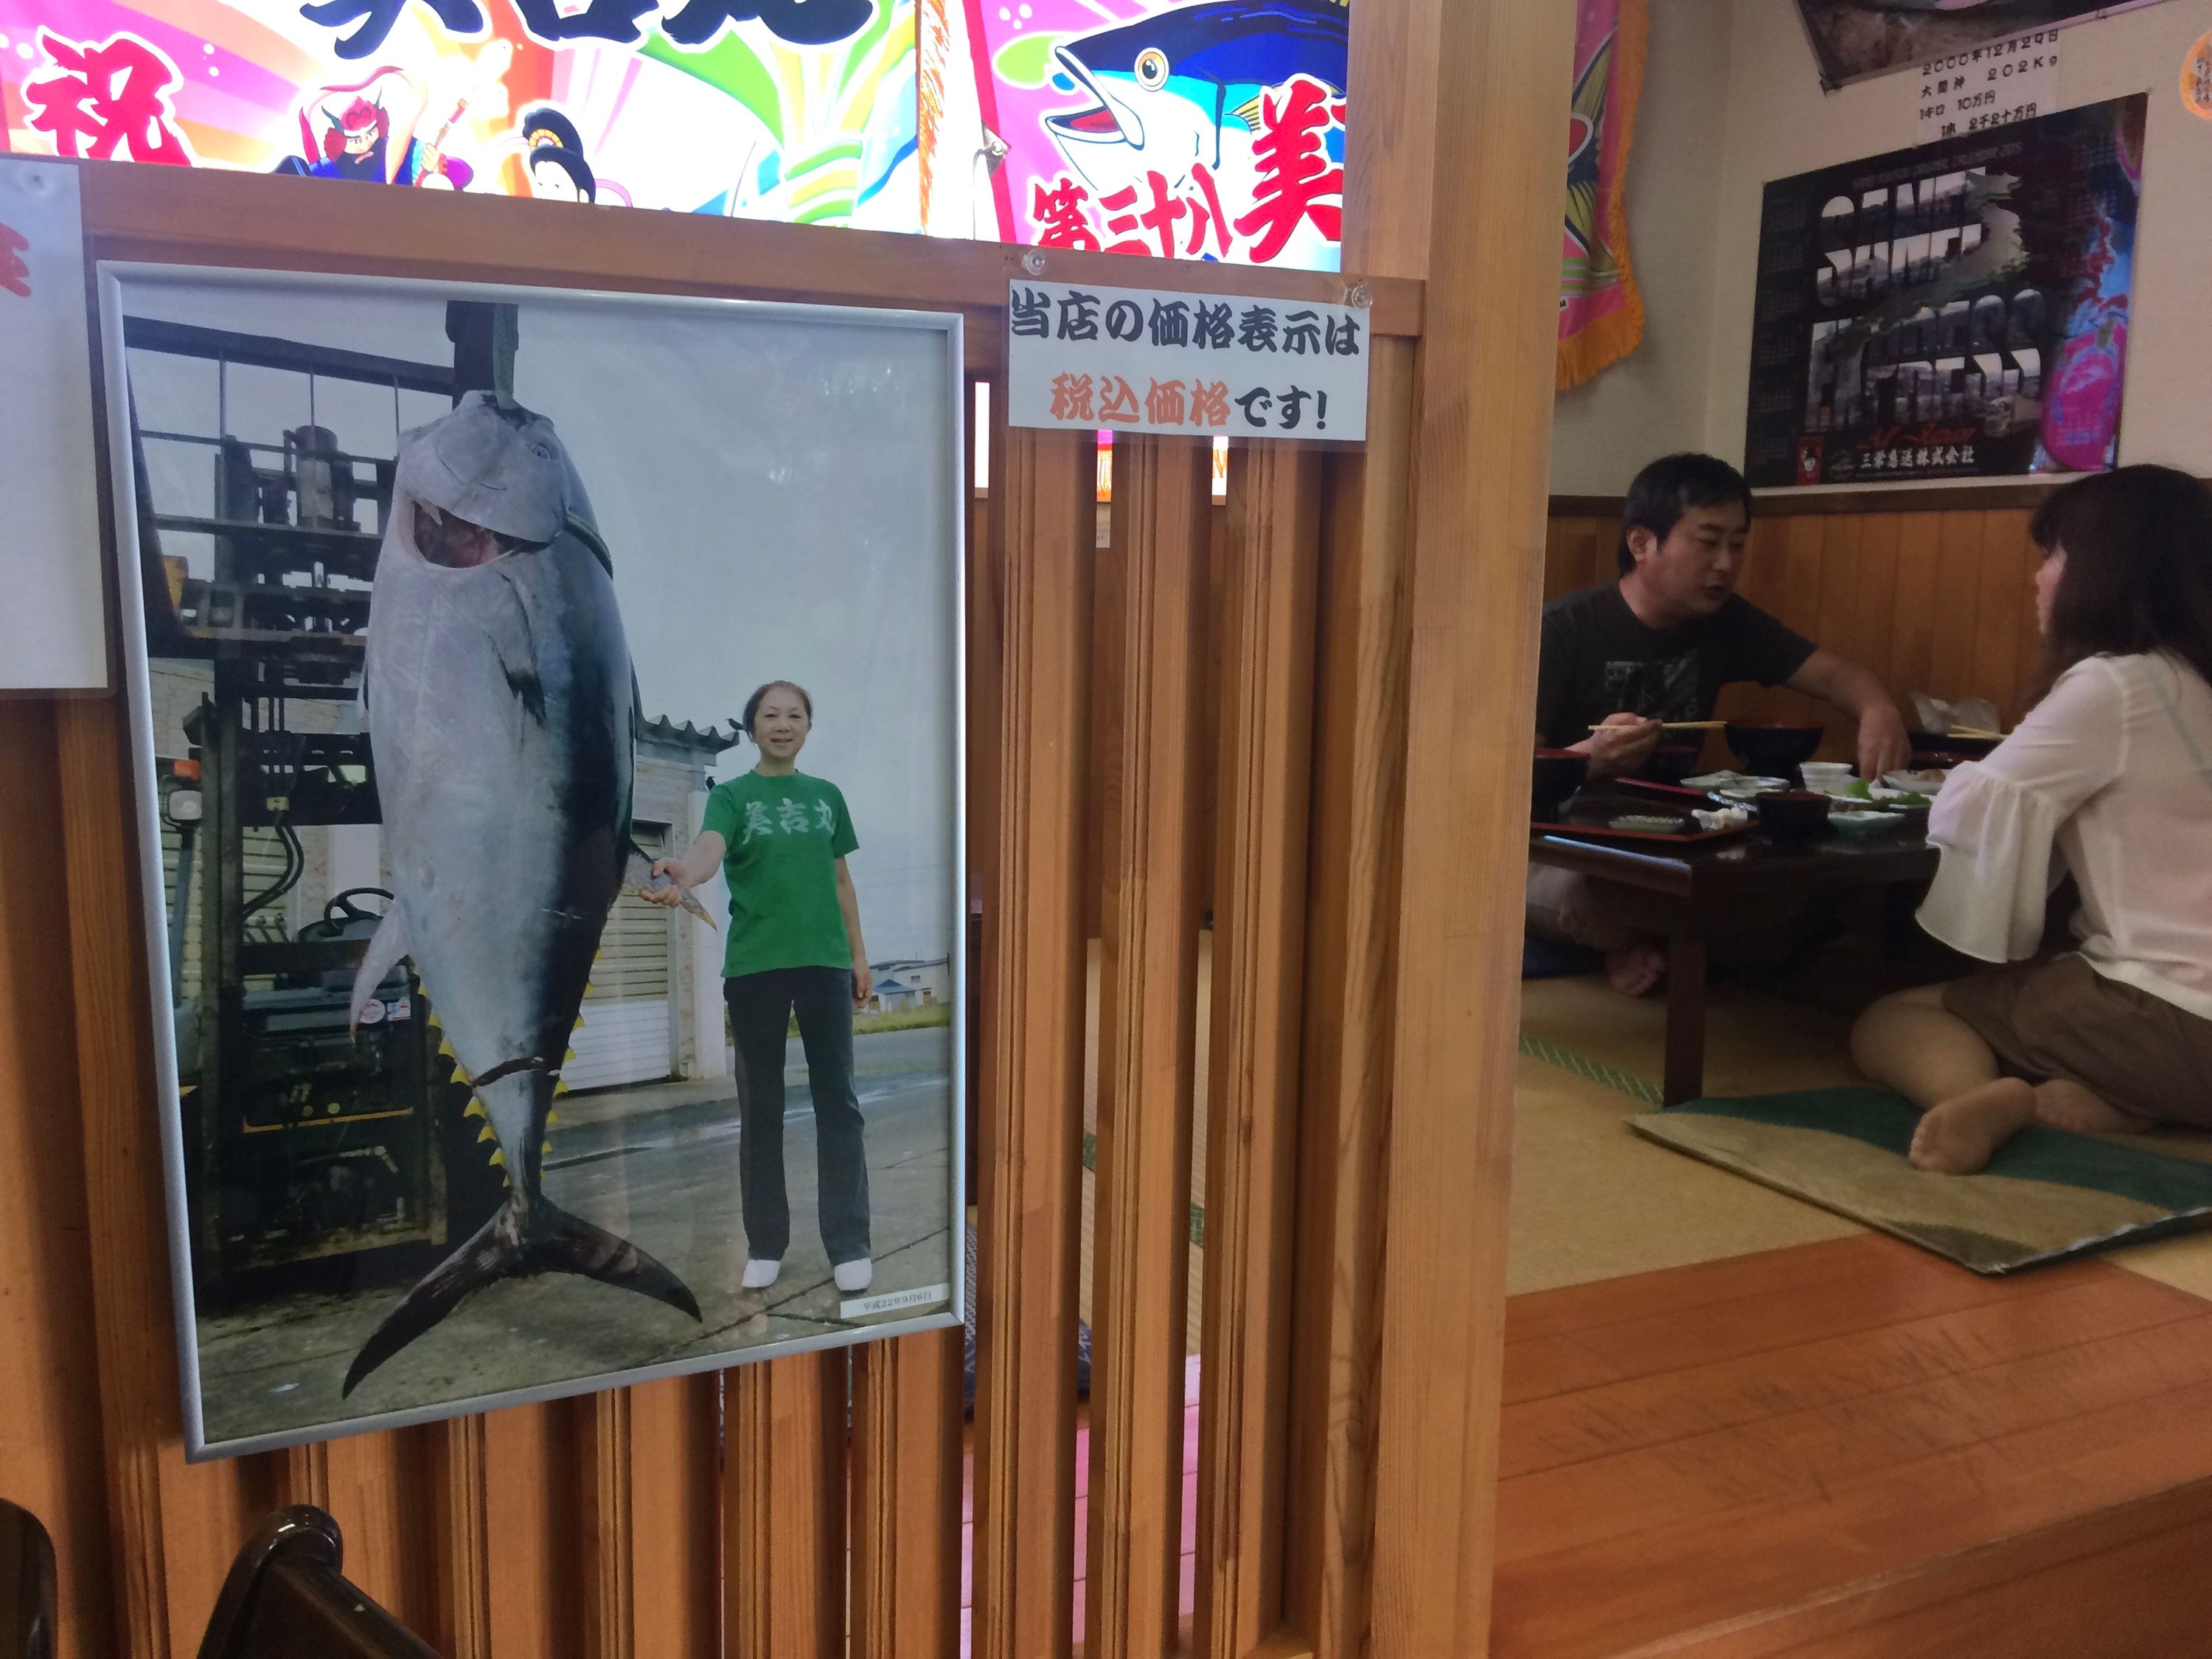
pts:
[779, 839]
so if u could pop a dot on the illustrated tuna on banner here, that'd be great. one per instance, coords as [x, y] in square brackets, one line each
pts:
[800, 110]
[1959, 310]
[1212, 130]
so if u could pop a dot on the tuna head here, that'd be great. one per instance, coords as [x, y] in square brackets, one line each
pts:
[488, 479]
[1166, 85]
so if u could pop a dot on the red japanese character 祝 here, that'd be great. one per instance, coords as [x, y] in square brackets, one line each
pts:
[95, 101]
[1297, 180]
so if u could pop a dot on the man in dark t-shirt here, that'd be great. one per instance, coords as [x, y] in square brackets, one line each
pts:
[1600, 658]
[1619, 661]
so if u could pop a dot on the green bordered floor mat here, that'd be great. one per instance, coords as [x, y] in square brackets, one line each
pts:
[2046, 1195]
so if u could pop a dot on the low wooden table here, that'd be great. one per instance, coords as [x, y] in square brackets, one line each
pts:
[1691, 896]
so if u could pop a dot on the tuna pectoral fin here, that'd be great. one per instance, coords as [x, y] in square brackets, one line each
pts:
[638, 874]
[385, 949]
[557, 1242]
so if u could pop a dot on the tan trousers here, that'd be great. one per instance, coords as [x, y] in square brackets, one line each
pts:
[1568, 907]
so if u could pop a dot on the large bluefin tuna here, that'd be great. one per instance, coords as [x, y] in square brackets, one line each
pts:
[501, 710]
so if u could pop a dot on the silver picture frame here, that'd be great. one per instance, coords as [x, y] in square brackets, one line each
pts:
[117, 282]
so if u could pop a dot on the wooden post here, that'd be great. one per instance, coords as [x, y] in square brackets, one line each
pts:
[1483, 455]
[464, 1599]
[1266, 752]
[1359, 760]
[905, 1497]
[1148, 1024]
[1032, 1107]
[783, 1508]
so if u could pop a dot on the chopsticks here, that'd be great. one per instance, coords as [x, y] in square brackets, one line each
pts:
[1682, 725]
[1975, 732]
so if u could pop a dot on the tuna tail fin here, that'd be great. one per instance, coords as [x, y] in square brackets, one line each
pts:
[638, 874]
[385, 950]
[556, 1243]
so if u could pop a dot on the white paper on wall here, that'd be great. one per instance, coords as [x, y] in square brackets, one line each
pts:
[1192, 365]
[52, 635]
[1988, 86]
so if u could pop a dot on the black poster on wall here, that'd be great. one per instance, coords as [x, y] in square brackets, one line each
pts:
[1959, 310]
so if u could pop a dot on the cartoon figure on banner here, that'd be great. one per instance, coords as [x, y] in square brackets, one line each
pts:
[109, 101]
[363, 139]
[555, 162]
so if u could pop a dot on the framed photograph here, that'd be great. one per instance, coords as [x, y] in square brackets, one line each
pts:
[549, 772]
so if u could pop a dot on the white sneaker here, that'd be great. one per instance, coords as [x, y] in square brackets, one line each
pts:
[760, 1273]
[853, 1277]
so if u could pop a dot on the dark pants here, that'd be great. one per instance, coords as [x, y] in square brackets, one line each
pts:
[761, 1007]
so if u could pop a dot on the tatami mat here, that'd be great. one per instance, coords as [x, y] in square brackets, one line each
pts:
[1593, 1200]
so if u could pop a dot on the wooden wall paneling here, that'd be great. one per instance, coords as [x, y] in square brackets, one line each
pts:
[1162, 489]
[2005, 633]
[1031, 1120]
[1958, 588]
[51, 1427]
[906, 1473]
[461, 1525]
[1266, 749]
[1360, 758]
[783, 1508]
[538, 1560]
[1913, 619]
[1483, 452]
[1880, 541]
[173, 1527]
[676, 1543]
[606, 1509]
[378, 1487]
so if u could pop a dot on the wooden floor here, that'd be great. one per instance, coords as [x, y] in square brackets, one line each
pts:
[1853, 1448]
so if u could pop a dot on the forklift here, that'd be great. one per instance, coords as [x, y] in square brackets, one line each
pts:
[325, 1143]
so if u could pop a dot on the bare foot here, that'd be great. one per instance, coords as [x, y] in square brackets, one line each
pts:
[1636, 970]
[2063, 1103]
[1958, 1136]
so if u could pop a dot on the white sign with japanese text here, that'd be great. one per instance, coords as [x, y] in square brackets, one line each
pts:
[52, 635]
[1990, 86]
[1200, 365]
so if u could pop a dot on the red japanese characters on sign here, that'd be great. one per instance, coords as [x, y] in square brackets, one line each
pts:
[107, 101]
[1296, 184]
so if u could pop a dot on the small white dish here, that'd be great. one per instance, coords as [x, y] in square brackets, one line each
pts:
[1916, 783]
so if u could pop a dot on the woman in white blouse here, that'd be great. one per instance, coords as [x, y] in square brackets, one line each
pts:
[2109, 779]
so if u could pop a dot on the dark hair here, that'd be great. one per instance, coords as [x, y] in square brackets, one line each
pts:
[578, 169]
[1670, 487]
[543, 117]
[753, 703]
[2138, 576]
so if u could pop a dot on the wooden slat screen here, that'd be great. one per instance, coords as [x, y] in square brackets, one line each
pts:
[1228, 699]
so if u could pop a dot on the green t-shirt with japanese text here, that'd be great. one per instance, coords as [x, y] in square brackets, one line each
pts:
[784, 835]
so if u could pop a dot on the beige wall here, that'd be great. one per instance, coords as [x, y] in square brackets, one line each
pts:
[1732, 99]
[1654, 399]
